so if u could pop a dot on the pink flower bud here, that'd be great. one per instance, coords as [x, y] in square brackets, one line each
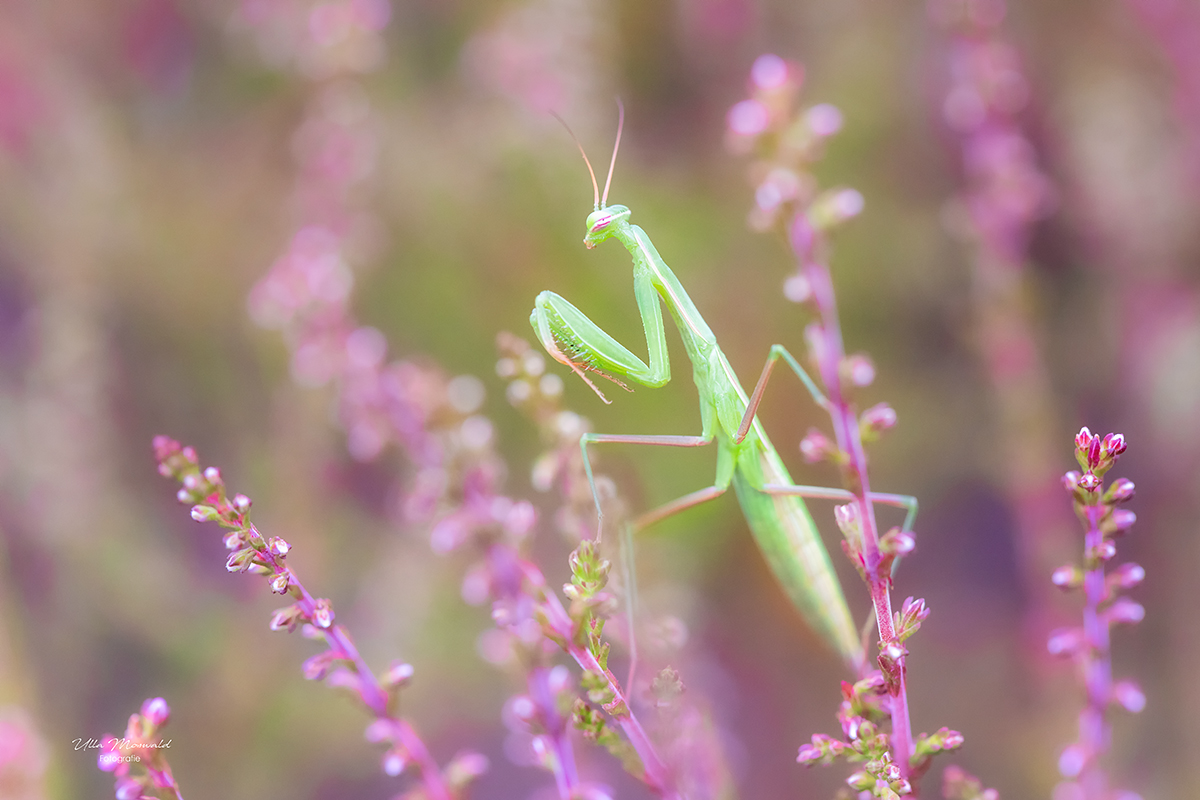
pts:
[399, 674]
[951, 740]
[808, 755]
[1065, 642]
[394, 762]
[1068, 576]
[1129, 696]
[183, 496]
[212, 475]
[1114, 445]
[323, 614]
[858, 370]
[1083, 439]
[128, 788]
[380, 730]
[1120, 491]
[1089, 482]
[318, 666]
[189, 454]
[1123, 519]
[1093, 452]
[522, 708]
[241, 503]
[520, 519]
[824, 119]
[278, 547]
[156, 711]
[279, 584]
[748, 118]
[1126, 576]
[815, 446]
[797, 288]
[286, 618]
[771, 72]
[241, 560]
[1125, 611]
[204, 514]
[861, 781]
[897, 543]
[878, 418]
[1070, 481]
[1105, 550]
[1072, 761]
[847, 519]
[469, 765]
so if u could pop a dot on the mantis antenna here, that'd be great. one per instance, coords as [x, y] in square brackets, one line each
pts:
[616, 146]
[592, 172]
[598, 201]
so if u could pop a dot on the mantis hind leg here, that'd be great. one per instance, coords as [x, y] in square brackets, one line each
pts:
[907, 502]
[826, 493]
[628, 560]
[778, 351]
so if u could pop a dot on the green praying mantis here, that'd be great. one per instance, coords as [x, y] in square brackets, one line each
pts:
[772, 503]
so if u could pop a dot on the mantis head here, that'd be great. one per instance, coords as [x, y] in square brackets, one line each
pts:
[603, 223]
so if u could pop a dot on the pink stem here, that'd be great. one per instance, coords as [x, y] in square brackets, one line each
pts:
[1094, 729]
[566, 776]
[830, 356]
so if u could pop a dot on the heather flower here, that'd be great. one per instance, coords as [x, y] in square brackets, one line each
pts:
[340, 663]
[1089, 645]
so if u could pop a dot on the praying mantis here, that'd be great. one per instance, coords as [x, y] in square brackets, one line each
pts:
[771, 502]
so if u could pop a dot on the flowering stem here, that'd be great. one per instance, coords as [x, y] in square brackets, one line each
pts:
[831, 354]
[657, 776]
